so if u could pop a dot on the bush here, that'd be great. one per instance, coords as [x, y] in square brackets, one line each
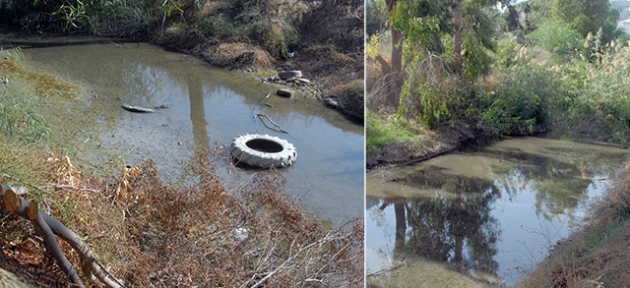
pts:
[115, 17]
[518, 102]
[563, 42]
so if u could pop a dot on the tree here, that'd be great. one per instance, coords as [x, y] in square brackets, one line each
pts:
[587, 16]
[446, 45]
[539, 12]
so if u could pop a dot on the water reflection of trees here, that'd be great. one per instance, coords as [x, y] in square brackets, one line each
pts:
[560, 179]
[457, 229]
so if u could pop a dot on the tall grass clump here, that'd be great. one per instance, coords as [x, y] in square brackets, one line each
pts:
[18, 117]
[597, 101]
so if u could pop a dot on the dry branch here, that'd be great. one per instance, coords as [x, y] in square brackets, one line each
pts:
[47, 226]
[260, 117]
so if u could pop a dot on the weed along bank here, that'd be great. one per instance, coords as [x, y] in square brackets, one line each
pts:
[134, 160]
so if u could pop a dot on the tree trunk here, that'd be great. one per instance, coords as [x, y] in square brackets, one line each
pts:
[396, 65]
[401, 224]
[457, 39]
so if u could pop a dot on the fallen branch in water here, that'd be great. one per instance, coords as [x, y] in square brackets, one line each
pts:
[260, 117]
[389, 268]
[48, 227]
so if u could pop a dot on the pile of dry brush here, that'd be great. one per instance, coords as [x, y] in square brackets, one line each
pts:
[147, 234]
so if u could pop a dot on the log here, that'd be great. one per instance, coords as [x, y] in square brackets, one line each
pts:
[47, 226]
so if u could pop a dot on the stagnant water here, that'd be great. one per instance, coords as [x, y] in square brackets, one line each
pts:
[480, 218]
[207, 108]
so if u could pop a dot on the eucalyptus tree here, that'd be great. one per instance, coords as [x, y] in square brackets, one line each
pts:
[445, 44]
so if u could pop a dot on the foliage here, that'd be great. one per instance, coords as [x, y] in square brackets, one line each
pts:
[372, 47]
[539, 12]
[376, 18]
[112, 17]
[477, 41]
[422, 23]
[562, 41]
[442, 78]
[587, 16]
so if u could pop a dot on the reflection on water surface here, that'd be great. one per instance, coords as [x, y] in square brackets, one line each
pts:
[207, 107]
[479, 218]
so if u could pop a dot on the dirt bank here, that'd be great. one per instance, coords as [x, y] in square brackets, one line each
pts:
[423, 146]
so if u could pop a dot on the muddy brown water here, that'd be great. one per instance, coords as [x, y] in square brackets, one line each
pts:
[481, 218]
[208, 107]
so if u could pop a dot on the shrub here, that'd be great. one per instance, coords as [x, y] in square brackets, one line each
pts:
[519, 101]
[560, 39]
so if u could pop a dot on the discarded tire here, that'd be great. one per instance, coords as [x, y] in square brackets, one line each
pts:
[284, 75]
[263, 151]
[284, 93]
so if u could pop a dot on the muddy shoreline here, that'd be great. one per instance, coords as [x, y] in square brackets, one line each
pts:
[447, 139]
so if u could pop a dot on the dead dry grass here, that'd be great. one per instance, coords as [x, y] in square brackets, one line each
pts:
[261, 58]
[153, 235]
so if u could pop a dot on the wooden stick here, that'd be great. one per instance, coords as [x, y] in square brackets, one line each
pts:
[260, 116]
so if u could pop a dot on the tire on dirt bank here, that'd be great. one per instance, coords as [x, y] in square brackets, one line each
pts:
[284, 75]
[263, 151]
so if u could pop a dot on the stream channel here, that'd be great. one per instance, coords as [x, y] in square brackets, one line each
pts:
[481, 218]
[208, 107]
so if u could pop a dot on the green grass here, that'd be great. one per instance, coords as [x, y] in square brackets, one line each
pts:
[381, 133]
